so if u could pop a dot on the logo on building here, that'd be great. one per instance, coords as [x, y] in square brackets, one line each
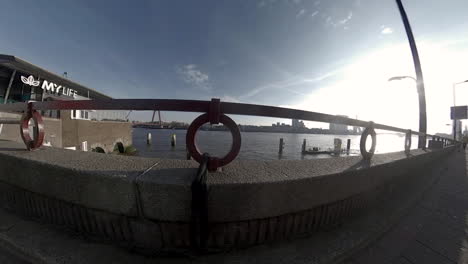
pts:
[49, 86]
[30, 81]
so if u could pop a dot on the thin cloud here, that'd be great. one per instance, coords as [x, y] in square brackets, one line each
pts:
[192, 75]
[387, 30]
[314, 13]
[231, 99]
[264, 3]
[301, 13]
[330, 21]
[261, 4]
[294, 81]
[345, 20]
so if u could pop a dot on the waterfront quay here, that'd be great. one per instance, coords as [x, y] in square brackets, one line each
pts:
[80, 207]
[208, 206]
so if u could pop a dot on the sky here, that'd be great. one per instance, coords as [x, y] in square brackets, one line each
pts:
[332, 56]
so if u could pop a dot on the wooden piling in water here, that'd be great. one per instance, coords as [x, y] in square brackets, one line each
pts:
[148, 139]
[173, 140]
[303, 146]
[281, 145]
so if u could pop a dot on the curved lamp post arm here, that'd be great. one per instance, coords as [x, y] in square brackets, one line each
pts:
[419, 76]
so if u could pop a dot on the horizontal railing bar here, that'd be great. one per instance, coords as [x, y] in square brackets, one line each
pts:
[127, 104]
[10, 121]
[202, 107]
[13, 107]
[280, 112]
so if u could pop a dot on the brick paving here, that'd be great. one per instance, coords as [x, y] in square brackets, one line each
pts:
[433, 231]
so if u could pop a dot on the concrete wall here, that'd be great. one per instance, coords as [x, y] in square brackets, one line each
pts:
[147, 203]
[104, 134]
[53, 130]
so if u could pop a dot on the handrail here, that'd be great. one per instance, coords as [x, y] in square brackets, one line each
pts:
[215, 109]
[199, 106]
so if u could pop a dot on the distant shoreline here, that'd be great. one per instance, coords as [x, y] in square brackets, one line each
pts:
[322, 132]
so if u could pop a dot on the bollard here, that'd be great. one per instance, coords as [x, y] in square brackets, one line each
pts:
[348, 146]
[173, 140]
[148, 139]
[84, 146]
[303, 146]
[281, 145]
[337, 144]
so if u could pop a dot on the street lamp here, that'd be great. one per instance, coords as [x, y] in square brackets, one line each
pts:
[399, 78]
[453, 86]
[419, 75]
[422, 108]
[454, 104]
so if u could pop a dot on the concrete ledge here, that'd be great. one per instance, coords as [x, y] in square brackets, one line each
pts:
[260, 189]
[249, 203]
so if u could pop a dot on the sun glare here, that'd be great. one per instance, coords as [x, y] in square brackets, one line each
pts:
[364, 90]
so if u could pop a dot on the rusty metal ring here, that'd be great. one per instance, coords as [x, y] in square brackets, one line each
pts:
[367, 155]
[30, 143]
[408, 141]
[213, 162]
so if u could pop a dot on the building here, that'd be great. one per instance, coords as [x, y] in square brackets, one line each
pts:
[21, 81]
[297, 123]
[338, 128]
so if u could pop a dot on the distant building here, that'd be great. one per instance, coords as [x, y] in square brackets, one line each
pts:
[297, 123]
[96, 130]
[338, 128]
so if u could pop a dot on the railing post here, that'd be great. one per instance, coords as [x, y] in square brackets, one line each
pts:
[408, 142]
[348, 146]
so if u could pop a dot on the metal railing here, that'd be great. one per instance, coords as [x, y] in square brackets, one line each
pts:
[214, 112]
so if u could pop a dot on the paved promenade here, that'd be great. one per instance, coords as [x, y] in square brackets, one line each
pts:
[435, 229]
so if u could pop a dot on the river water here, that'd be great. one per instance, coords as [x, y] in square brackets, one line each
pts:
[255, 145]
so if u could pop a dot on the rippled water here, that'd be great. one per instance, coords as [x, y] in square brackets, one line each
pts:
[255, 145]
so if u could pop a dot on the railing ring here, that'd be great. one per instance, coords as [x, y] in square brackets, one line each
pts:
[367, 155]
[213, 163]
[30, 143]
[408, 141]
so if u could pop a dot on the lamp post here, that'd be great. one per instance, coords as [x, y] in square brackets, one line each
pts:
[398, 78]
[422, 109]
[454, 85]
[419, 76]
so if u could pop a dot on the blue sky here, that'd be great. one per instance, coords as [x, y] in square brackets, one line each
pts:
[314, 55]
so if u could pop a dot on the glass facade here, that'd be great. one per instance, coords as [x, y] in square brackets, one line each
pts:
[19, 91]
[26, 87]
[31, 87]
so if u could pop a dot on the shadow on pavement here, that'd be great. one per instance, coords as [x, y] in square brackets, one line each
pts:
[434, 230]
